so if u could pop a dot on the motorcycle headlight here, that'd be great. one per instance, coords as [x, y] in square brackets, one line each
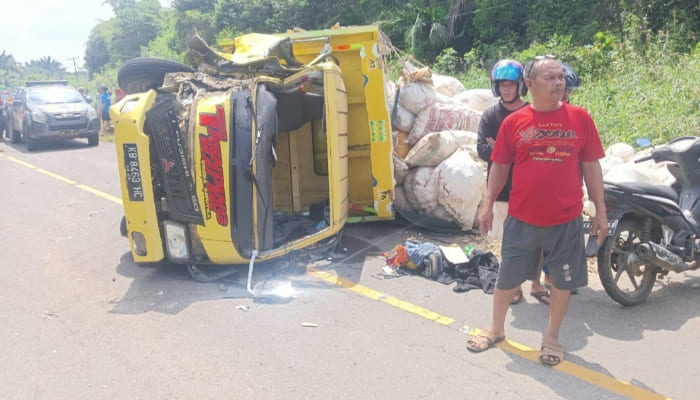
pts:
[176, 241]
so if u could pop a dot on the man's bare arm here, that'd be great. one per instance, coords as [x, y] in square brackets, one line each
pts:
[593, 176]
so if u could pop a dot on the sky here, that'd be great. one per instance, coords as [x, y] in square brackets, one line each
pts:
[33, 29]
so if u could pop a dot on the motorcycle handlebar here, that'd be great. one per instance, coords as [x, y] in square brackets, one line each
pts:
[642, 159]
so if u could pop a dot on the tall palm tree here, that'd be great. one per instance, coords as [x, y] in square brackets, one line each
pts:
[49, 66]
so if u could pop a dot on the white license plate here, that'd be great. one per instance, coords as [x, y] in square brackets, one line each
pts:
[71, 133]
[612, 225]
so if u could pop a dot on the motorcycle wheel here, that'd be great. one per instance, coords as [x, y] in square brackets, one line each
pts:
[626, 279]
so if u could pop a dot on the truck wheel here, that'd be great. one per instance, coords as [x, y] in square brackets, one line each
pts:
[144, 73]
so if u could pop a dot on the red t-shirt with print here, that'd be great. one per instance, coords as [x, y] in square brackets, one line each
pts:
[547, 149]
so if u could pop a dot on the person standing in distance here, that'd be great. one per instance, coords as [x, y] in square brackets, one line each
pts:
[551, 146]
[572, 81]
[508, 85]
[103, 109]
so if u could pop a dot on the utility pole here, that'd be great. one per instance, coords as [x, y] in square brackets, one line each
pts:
[75, 66]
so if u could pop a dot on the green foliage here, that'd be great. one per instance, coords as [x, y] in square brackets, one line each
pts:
[136, 24]
[97, 54]
[638, 60]
[9, 70]
[448, 62]
[45, 68]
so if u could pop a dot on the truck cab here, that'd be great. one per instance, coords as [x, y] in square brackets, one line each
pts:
[268, 148]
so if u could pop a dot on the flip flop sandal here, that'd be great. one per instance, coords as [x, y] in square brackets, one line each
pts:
[483, 341]
[517, 297]
[551, 353]
[542, 297]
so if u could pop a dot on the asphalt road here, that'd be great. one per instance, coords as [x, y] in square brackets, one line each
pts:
[81, 321]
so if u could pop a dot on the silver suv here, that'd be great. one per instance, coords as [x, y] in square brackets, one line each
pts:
[50, 110]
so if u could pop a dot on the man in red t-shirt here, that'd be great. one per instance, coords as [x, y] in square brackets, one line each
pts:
[551, 146]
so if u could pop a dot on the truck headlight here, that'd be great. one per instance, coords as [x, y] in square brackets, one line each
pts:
[176, 241]
[91, 113]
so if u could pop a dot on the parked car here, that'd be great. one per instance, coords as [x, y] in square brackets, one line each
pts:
[51, 110]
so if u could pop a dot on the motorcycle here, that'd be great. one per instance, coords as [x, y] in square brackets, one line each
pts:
[654, 229]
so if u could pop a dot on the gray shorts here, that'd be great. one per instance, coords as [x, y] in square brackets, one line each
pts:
[526, 247]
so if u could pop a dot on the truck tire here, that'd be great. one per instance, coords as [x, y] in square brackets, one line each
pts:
[93, 140]
[144, 73]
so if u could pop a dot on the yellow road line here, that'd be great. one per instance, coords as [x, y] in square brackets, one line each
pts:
[86, 188]
[596, 378]
[100, 193]
[577, 371]
[375, 295]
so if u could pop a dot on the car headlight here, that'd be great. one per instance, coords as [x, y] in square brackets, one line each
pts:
[91, 113]
[176, 241]
[40, 117]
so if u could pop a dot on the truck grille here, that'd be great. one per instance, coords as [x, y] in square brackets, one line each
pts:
[162, 125]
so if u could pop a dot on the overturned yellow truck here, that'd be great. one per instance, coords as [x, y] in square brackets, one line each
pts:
[264, 149]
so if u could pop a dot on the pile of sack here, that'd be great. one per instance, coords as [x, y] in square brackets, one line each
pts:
[436, 167]
[437, 170]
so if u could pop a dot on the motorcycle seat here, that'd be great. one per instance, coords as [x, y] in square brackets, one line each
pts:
[646, 188]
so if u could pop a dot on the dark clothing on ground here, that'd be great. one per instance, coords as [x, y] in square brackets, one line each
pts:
[480, 272]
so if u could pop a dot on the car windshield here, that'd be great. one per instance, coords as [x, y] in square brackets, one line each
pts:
[54, 95]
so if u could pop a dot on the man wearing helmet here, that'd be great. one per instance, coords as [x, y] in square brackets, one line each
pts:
[551, 145]
[572, 81]
[508, 85]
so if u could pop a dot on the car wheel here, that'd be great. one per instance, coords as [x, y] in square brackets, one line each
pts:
[31, 143]
[144, 73]
[94, 140]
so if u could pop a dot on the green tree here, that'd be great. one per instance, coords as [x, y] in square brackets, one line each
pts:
[136, 24]
[97, 53]
[8, 69]
[47, 66]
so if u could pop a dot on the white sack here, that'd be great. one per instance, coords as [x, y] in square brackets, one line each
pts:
[622, 151]
[476, 99]
[447, 85]
[400, 202]
[416, 96]
[462, 183]
[465, 138]
[400, 169]
[438, 117]
[432, 149]
[403, 120]
[421, 189]
[631, 172]
[441, 213]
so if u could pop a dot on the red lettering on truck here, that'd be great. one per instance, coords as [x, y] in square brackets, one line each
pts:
[210, 145]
